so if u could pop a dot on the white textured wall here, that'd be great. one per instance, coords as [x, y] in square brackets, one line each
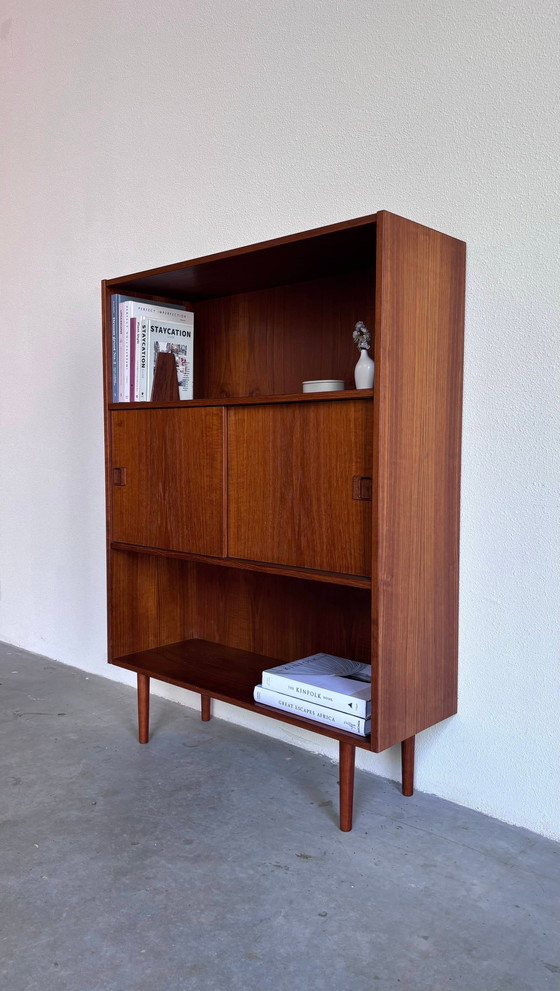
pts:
[136, 133]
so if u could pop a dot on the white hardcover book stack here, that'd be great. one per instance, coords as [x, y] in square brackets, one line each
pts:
[323, 687]
[135, 317]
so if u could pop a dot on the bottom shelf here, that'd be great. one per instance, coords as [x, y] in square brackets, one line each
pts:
[223, 673]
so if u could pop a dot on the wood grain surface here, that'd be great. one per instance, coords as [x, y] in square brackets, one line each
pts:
[165, 385]
[156, 600]
[173, 497]
[341, 395]
[290, 485]
[278, 615]
[222, 672]
[151, 602]
[331, 577]
[326, 251]
[268, 342]
[417, 424]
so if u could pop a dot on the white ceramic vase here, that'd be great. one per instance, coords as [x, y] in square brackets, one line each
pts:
[363, 372]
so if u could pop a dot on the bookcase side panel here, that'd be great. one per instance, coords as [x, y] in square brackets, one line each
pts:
[107, 345]
[417, 424]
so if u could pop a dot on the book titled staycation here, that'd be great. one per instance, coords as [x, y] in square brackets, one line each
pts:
[130, 356]
[175, 338]
[311, 710]
[336, 682]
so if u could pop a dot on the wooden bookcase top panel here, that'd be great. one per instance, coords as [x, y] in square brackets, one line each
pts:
[298, 257]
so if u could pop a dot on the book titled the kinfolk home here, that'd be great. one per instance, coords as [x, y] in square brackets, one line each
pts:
[335, 682]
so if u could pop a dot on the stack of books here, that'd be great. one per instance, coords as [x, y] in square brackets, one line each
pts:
[141, 329]
[323, 687]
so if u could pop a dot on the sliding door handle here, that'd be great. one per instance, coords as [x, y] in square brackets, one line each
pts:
[361, 488]
[119, 476]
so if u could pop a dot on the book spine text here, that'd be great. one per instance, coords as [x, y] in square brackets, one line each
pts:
[310, 693]
[310, 710]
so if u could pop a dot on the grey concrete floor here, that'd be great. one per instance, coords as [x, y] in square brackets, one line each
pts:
[211, 859]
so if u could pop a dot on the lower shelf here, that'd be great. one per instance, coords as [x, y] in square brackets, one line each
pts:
[223, 673]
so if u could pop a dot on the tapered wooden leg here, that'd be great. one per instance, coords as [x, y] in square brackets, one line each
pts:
[407, 758]
[346, 755]
[143, 708]
[205, 708]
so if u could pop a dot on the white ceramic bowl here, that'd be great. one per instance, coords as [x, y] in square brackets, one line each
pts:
[323, 385]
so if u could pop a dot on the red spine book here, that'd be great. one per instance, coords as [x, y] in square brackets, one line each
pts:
[132, 353]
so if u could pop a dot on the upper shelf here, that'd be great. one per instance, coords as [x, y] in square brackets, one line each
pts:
[296, 258]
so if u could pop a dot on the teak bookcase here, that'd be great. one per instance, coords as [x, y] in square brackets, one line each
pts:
[256, 524]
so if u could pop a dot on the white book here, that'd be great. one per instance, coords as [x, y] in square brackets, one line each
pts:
[311, 710]
[326, 679]
[123, 359]
[178, 338]
[139, 310]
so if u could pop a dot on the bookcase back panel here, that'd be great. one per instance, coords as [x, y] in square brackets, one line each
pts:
[157, 601]
[279, 616]
[300, 257]
[291, 472]
[150, 603]
[268, 342]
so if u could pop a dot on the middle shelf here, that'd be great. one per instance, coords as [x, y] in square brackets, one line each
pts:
[331, 577]
[299, 397]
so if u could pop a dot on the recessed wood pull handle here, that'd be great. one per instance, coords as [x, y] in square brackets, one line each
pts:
[361, 488]
[119, 476]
